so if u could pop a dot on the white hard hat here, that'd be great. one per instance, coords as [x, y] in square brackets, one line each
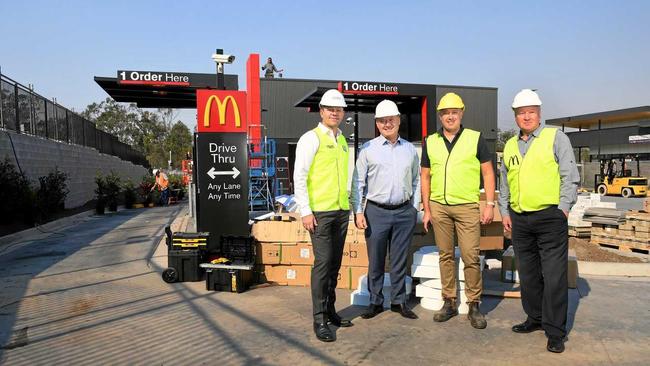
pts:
[333, 98]
[155, 171]
[526, 97]
[386, 108]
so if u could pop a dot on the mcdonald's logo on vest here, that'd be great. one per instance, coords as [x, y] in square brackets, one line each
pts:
[221, 111]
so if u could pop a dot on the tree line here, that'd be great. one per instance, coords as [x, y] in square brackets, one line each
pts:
[153, 133]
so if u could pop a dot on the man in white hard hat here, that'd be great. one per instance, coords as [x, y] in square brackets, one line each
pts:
[453, 161]
[539, 183]
[321, 192]
[387, 176]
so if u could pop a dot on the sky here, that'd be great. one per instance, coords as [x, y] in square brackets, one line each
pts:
[581, 56]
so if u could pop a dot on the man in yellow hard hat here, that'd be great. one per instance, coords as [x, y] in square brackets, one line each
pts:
[321, 192]
[453, 161]
[387, 178]
[539, 184]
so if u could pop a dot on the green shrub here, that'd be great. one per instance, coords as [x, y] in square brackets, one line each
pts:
[50, 197]
[16, 195]
[100, 194]
[176, 183]
[112, 190]
[144, 190]
[130, 194]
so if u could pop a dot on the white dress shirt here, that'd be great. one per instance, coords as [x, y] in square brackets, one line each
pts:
[305, 152]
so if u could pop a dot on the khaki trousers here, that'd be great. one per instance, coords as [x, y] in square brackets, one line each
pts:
[465, 221]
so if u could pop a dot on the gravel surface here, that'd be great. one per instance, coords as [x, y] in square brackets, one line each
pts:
[585, 251]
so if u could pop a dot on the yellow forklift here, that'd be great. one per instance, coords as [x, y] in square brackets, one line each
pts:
[618, 181]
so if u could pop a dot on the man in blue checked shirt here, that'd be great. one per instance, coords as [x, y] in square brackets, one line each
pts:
[387, 177]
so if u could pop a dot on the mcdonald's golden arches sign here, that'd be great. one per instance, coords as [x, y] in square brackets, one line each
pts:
[221, 111]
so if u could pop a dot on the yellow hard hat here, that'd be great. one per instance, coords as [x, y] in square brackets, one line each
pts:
[450, 100]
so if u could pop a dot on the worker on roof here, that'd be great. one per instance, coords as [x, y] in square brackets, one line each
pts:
[539, 183]
[387, 178]
[321, 192]
[162, 183]
[269, 69]
[454, 159]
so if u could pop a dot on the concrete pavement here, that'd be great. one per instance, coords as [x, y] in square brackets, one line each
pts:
[92, 294]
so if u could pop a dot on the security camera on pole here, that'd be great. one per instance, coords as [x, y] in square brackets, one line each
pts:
[221, 59]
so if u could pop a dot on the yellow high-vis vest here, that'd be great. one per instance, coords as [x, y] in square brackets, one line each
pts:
[455, 176]
[327, 181]
[534, 180]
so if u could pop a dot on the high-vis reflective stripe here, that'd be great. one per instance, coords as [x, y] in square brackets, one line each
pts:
[327, 181]
[455, 176]
[162, 182]
[534, 180]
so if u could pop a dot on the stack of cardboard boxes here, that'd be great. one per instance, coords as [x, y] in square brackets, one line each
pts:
[284, 253]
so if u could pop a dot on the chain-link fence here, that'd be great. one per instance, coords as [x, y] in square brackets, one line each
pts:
[24, 111]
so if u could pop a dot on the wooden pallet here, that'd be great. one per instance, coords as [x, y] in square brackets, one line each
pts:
[638, 216]
[580, 232]
[621, 244]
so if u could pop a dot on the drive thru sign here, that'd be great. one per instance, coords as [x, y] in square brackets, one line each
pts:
[221, 163]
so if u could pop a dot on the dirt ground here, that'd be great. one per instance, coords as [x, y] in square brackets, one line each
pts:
[585, 251]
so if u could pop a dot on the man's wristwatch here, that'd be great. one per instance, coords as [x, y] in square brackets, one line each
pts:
[490, 203]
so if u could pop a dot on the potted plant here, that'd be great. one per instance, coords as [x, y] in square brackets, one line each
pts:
[100, 195]
[129, 194]
[112, 190]
[145, 190]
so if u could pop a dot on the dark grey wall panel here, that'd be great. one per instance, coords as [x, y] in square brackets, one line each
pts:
[480, 108]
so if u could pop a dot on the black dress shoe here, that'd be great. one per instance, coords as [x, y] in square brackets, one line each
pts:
[555, 344]
[373, 311]
[403, 310]
[526, 327]
[336, 320]
[323, 332]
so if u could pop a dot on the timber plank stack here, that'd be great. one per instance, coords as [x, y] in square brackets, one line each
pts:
[633, 235]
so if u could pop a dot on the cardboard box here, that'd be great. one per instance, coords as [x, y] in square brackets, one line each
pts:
[355, 255]
[298, 253]
[349, 276]
[285, 253]
[267, 253]
[355, 235]
[491, 236]
[289, 230]
[288, 275]
[509, 266]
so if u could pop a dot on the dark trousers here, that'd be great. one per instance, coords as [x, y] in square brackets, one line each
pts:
[327, 241]
[540, 241]
[164, 197]
[388, 231]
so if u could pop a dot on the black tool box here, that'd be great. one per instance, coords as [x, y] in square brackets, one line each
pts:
[190, 240]
[183, 266]
[185, 251]
[238, 248]
[228, 277]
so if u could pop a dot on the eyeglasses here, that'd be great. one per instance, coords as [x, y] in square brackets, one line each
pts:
[387, 121]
